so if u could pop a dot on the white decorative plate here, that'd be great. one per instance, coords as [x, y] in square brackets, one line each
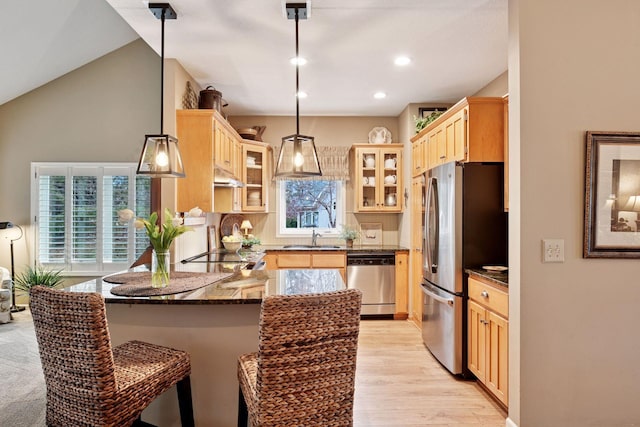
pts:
[495, 268]
[380, 135]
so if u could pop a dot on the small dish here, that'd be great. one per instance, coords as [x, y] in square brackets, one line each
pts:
[494, 268]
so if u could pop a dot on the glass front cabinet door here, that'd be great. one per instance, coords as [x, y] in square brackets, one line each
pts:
[378, 180]
[255, 175]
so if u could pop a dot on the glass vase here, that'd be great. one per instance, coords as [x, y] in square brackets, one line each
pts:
[160, 265]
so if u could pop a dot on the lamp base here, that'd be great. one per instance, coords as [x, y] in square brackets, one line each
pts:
[17, 308]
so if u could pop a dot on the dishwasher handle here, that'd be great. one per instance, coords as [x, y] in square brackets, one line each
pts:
[436, 297]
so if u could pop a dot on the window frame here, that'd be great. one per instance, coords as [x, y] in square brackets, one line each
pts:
[283, 231]
[69, 170]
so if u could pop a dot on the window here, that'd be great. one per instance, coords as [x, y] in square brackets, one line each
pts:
[304, 205]
[75, 212]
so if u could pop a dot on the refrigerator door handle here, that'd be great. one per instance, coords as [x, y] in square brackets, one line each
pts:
[438, 298]
[432, 233]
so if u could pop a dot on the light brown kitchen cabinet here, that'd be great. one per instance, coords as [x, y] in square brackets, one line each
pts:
[506, 152]
[255, 175]
[437, 147]
[378, 177]
[488, 334]
[254, 170]
[419, 158]
[417, 214]
[279, 260]
[470, 131]
[402, 285]
[206, 140]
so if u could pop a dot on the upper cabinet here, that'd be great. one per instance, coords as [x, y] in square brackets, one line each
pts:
[207, 141]
[255, 174]
[378, 177]
[470, 131]
[506, 152]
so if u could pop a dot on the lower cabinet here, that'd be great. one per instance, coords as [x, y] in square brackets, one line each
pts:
[402, 285]
[307, 259]
[488, 335]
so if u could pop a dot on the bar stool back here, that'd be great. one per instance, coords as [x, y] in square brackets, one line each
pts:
[89, 383]
[304, 371]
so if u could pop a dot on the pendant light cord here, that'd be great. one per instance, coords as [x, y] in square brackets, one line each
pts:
[297, 79]
[164, 11]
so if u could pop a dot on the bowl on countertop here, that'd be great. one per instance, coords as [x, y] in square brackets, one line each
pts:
[232, 246]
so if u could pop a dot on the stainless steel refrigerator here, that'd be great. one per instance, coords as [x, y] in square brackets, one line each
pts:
[465, 226]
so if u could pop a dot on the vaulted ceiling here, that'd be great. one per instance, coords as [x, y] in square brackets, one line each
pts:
[242, 48]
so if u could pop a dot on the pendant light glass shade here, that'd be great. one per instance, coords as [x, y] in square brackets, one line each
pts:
[160, 157]
[298, 157]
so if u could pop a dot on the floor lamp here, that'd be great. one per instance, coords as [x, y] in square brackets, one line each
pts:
[3, 226]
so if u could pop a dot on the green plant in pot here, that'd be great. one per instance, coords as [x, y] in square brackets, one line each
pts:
[423, 122]
[38, 276]
[349, 234]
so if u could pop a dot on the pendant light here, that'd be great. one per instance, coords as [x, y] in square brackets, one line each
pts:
[298, 157]
[160, 157]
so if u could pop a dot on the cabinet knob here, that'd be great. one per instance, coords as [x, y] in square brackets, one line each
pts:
[484, 294]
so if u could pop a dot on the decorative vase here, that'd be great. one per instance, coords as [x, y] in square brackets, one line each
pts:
[160, 265]
[349, 243]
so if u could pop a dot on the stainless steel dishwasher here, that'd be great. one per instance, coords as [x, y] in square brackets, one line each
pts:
[374, 273]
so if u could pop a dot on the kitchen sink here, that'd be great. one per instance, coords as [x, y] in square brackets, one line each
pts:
[311, 247]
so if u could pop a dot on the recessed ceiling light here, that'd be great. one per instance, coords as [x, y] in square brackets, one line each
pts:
[379, 95]
[401, 61]
[302, 94]
[298, 60]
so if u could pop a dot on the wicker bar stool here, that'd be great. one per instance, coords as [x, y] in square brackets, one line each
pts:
[88, 382]
[304, 371]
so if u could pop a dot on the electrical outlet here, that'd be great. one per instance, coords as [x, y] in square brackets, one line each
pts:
[553, 250]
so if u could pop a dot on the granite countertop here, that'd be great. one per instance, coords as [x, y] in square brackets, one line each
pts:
[498, 277]
[328, 247]
[242, 287]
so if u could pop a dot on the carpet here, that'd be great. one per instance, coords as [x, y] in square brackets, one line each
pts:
[22, 389]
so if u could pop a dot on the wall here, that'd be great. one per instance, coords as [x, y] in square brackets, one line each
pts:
[573, 66]
[99, 112]
[496, 87]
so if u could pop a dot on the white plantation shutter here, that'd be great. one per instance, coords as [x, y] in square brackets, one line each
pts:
[76, 216]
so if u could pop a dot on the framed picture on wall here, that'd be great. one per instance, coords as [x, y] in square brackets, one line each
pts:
[612, 195]
[370, 233]
[424, 112]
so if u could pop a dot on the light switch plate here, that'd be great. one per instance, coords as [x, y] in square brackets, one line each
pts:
[553, 250]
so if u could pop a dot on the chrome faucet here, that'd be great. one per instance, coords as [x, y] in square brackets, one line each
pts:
[314, 236]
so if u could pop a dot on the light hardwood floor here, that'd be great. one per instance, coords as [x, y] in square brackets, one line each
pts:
[399, 383]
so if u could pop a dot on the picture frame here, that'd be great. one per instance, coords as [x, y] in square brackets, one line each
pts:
[424, 112]
[371, 233]
[612, 195]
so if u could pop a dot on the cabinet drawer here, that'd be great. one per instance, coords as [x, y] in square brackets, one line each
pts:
[328, 260]
[296, 260]
[489, 296]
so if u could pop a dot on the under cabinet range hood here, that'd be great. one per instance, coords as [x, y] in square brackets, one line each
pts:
[223, 178]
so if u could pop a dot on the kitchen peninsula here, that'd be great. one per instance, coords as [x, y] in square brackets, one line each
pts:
[214, 324]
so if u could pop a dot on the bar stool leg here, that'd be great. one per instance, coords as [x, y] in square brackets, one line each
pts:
[184, 402]
[243, 412]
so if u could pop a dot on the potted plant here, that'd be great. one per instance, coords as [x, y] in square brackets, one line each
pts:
[250, 240]
[423, 122]
[38, 276]
[349, 234]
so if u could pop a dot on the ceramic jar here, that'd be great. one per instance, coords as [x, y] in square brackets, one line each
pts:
[369, 161]
[390, 163]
